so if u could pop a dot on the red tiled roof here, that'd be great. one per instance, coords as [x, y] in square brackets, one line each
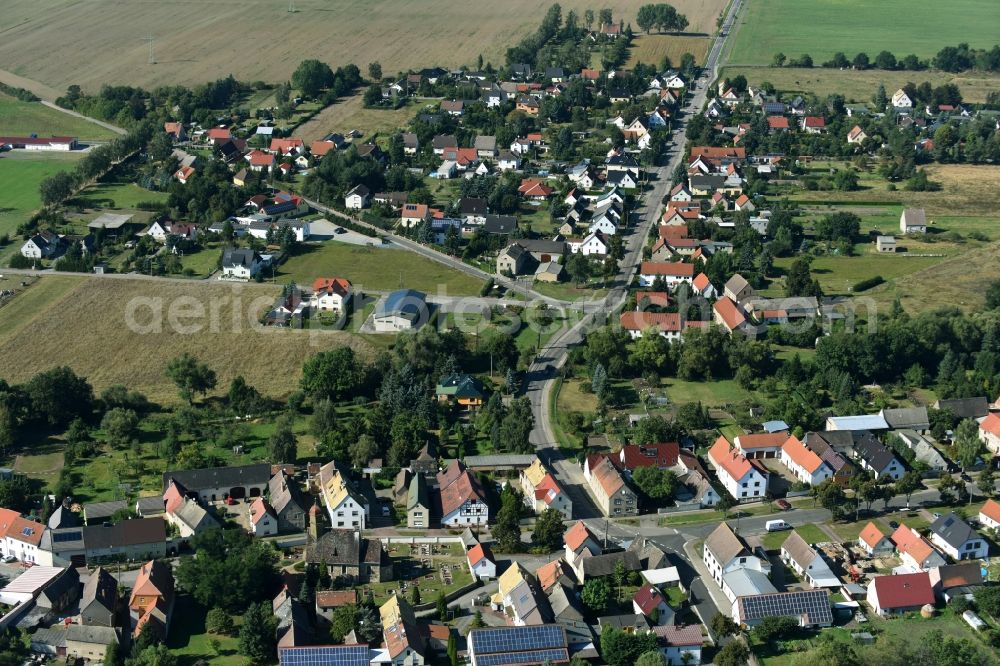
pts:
[477, 553]
[904, 591]
[660, 299]
[648, 599]
[335, 598]
[339, 286]
[577, 535]
[412, 210]
[730, 313]
[871, 534]
[731, 460]
[672, 231]
[813, 121]
[777, 122]
[260, 158]
[701, 282]
[675, 269]
[666, 322]
[712, 152]
[12, 525]
[286, 145]
[321, 148]
[991, 424]
[219, 133]
[991, 510]
[800, 455]
[549, 574]
[531, 187]
[662, 455]
[742, 200]
[761, 440]
[909, 542]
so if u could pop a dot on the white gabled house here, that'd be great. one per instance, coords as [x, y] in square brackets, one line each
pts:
[347, 508]
[744, 478]
[803, 463]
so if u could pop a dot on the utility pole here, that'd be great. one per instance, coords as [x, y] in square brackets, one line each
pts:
[152, 54]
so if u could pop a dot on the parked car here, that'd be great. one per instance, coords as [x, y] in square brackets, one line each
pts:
[784, 505]
[893, 524]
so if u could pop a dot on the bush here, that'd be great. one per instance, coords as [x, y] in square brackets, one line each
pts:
[865, 285]
[20, 261]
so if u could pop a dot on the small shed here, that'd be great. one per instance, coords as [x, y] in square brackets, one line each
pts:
[885, 244]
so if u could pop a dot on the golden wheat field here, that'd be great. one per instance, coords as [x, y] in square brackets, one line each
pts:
[103, 41]
[117, 331]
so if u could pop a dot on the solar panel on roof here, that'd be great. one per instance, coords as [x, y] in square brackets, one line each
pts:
[522, 658]
[326, 655]
[62, 537]
[517, 640]
[814, 603]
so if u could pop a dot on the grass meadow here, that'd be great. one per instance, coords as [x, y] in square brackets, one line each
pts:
[376, 268]
[83, 323]
[19, 118]
[823, 27]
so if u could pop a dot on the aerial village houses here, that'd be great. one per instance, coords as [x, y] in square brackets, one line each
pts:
[346, 507]
[989, 515]
[904, 593]
[463, 501]
[807, 562]
[613, 495]
[725, 551]
[803, 463]
[745, 479]
[542, 491]
[874, 542]
[957, 539]
[915, 551]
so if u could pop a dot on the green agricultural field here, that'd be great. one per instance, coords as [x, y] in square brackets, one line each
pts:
[376, 268]
[118, 195]
[20, 174]
[860, 86]
[823, 27]
[19, 118]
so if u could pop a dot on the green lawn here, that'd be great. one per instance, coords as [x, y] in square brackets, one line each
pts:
[190, 641]
[376, 268]
[710, 394]
[118, 195]
[811, 533]
[20, 174]
[567, 291]
[19, 118]
[823, 27]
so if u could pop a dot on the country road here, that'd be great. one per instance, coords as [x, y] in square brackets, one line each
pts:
[540, 379]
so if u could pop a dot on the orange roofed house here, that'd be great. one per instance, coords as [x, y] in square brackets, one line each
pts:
[609, 488]
[19, 537]
[761, 445]
[152, 600]
[745, 479]
[915, 550]
[803, 463]
[330, 294]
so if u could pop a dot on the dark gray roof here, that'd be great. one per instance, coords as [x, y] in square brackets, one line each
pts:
[872, 451]
[150, 506]
[472, 206]
[239, 257]
[63, 517]
[126, 533]
[953, 530]
[408, 303]
[283, 491]
[840, 440]
[102, 588]
[707, 182]
[100, 510]
[542, 245]
[965, 408]
[195, 480]
[91, 634]
[818, 445]
[444, 141]
[631, 622]
[604, 565]
[907, 417]
[502, 225]
[68, 580]
[345, 548]
[417, 495]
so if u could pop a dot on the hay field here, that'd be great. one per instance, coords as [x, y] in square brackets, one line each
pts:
[966, 191]
[860, 86]
[85, 327]
[350, 114]
[650, 49]
[99, 41]
[823, 27]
